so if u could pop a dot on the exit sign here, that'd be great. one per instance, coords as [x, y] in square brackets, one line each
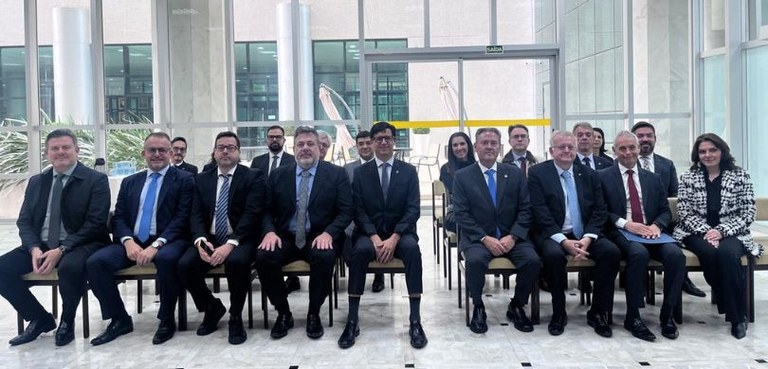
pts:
[494, 49]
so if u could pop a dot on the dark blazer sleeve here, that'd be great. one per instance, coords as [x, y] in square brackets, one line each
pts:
[524, 216]
[182, 187]
[123, 218]
[538, 183]
[364, 175]
[88, 200]
[27, 223]
[202, 206]
[470, 229]
[412, 211]
[597, 210]
[656, 200]
[254, 205]
[343, 204]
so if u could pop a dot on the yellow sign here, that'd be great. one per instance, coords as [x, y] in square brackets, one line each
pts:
[469, 123]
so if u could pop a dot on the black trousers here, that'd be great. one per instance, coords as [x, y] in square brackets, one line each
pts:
[71, 270]
[103, 264]
[637, 256]
[724, 273]
[321, 262]
[523, 255]
[606, 256]
[237, 267]
[363, 253]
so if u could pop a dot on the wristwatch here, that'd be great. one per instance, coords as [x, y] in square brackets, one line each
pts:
[63, 249]
[157, 244]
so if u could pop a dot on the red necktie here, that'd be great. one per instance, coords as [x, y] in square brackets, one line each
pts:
[634, 199]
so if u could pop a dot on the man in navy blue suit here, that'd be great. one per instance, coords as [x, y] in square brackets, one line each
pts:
[493, 213]
[56, 237]
[150, 225]
[585, 139]
[386, 193]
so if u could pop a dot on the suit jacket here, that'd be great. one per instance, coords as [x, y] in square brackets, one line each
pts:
[666, 169]
[401, 210]
[654, 202]
[329, 207]
[600, 162]
[85, 202]
[210, 165]
[188, 167]
[477, 216]
[737, 207]
[548, 199]
[174, 203]
[530, 160]
[262, 161]
[349, 168]
[246, 203]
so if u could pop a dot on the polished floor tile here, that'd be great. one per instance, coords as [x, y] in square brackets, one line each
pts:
[705, 340]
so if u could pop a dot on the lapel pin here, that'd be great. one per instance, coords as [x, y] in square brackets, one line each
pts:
[505, 176]
[397, 172]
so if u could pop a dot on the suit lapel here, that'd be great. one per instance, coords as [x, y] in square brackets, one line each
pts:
[645, 186]
[619, 184]
[502, 176]
[482, 185]
[320, 175]
[170, 177]
[579, 181]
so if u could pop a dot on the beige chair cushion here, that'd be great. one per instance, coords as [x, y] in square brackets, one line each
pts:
[394, 263]
[298, 266]
[52, 276]
[137, 270]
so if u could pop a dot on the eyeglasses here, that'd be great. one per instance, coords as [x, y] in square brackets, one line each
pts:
[156, 150]
[223, 148]
[179, 149]
[563, 147]
[274, 138]
[383, 139]
[520, 137]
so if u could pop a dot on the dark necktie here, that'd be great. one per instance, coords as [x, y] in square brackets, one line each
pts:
[523, 167]
[54, 222]
[587, 162]
[634, 199]
[145, 221]
[573, 204]
[385, 179]
[222, 211]
[301, 213]
[274, 164]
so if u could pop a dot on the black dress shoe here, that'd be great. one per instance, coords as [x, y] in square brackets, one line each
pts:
[165, 331]
[116, 328]
[65, 334]
[739, 330]
[516, 314]
[283, 323]
[599, 322]
[639, 330]
[557, 325]
[378, 282]
[237, 333]
[35, 328]
[478, 324]
[292, 284]
[314, 326]
[691, 289]
[213, 315]
[669, 328]
[347, 339]
[418, 337]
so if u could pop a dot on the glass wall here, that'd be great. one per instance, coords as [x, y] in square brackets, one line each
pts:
[757, 117]
[714, 98]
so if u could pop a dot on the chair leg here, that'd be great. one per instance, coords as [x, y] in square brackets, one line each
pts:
[265, 308]
[140, 296]
[535, 303]
[466, 301]
[650, 290]
[250, 306]
[183, 310]
[55, 300]
[86, 316]
[330, 300]
[458, 276]
[19, 323]
[448, 265]
[336, 291]
[216, 285]
[392, 281]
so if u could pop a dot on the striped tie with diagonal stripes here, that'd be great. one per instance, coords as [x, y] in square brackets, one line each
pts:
[222, 210]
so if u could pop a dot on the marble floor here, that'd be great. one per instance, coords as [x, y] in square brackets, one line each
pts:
[705, 341]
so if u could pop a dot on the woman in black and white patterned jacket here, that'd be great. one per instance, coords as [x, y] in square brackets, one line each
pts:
[716, 205]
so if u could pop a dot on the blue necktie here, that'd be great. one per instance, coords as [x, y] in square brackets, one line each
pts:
[573, 204]
[492, 190]
[222, 211]
[149, 208]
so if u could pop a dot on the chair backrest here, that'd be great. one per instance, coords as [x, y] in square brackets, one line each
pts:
[673, 208]
[762, 208]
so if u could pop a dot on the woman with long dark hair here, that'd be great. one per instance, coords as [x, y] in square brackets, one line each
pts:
[460, 154]
[716, 206]
[598, 147]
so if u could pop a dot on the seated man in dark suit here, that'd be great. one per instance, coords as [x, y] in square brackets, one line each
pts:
[308, 207]
[637, 204]
[227, 206]
[570, 213]
[518, 154]
[62, 221]
[150, 224]
[493, 214]
[585, 139]
[386, 193]
[179, 147]
[276, 157]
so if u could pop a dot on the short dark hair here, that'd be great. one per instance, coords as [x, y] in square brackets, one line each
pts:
[643, 124]
[158, 135]
[303, 130]
[515, 126]
[227, 134]
[276, 127]
[61, 132]
[727, 161]
[381, 127]
[362, 134]
[487, 129]
[179, 138]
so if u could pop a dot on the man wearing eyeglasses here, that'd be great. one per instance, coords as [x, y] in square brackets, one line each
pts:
[324, 143]
[149, 225]
[227, 206]
[179, 147]
[386, 194]
[518, 154]
[570, 213]
[275, 157]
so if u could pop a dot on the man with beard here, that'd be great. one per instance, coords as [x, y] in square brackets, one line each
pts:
[276, 157]
[652, 162]
[179, 147]
[308, 208]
